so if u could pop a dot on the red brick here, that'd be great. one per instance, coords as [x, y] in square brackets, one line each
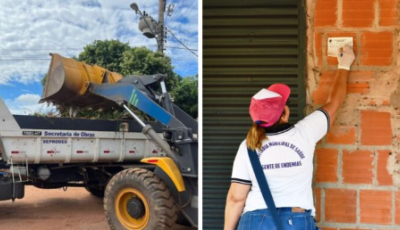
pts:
[318, 48]
[341, 135]
[359, 87]
[383, 177]
[325, 13]
[361, 76]
[375, 128]
[317, 201]
[358, 13]
[397, 208]
[388, 11]
[340, 205]
[357, 167]
[327, 165]
[333, 60]
[358, 83]
[375, 207]
[321, 94]
[377, 48]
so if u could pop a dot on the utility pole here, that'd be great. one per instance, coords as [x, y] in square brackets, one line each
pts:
[151, 28]
[161, 32]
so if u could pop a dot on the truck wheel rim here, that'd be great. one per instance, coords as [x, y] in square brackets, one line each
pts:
[123, 215]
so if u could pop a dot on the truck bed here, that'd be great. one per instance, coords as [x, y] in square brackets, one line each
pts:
[69, 140]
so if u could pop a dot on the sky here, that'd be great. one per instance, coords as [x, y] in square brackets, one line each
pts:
[31, 29]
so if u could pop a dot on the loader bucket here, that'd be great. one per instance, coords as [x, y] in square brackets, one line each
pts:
[68, 80]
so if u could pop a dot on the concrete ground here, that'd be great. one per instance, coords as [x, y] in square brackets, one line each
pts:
[55, 209]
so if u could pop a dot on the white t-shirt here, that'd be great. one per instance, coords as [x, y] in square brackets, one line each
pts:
[287, 161]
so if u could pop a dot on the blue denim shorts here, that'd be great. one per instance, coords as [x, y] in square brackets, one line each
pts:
[262, 219]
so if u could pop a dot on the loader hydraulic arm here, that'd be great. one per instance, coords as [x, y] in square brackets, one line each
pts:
[122, 93]
[185, 147]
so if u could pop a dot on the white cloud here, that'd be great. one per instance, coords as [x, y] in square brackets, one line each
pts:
[27, 104]
[31, 29]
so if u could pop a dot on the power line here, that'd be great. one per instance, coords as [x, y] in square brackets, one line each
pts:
[173, 35]
[35, 49]
[171, 19]
[174, 47]
[24, 59]
[174, 16]
[5, 58]
[30, 55]
[192, 5]
[168, 19]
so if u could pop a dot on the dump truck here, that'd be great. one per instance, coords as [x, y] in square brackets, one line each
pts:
[146, 169]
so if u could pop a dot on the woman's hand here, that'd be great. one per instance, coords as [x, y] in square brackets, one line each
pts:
[345, 58]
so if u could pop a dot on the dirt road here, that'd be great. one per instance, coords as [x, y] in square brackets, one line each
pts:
[54, 209]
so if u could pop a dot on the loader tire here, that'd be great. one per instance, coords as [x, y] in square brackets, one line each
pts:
[136, 199]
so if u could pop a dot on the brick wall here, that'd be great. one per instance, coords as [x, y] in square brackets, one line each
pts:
[357, 165]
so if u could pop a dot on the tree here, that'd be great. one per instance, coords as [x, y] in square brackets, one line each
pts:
[186, 95]
[140, 60]
[107, 54]
[121, 58]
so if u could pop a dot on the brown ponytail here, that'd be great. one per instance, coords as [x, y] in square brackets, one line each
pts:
[255, 137]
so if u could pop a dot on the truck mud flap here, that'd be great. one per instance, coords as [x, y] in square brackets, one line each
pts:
[9, 191]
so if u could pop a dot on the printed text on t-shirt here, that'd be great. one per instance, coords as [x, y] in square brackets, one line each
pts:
[281, 143]
[281, 165]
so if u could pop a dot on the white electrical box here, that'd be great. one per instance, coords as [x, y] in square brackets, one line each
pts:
[335, 43]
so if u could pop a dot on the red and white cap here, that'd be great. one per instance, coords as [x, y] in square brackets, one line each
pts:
[268, 104]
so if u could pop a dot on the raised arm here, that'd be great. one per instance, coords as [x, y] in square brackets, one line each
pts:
[235, 202]
[339, 88]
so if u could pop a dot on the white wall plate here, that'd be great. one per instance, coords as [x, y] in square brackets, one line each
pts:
[334, 43]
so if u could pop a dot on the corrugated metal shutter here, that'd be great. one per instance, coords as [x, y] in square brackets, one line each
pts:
[247, 45]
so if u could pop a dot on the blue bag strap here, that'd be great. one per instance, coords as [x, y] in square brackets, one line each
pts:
[262, 182]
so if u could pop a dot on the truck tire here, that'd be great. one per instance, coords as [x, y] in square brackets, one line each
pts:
[136, 199]
[95, 191]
